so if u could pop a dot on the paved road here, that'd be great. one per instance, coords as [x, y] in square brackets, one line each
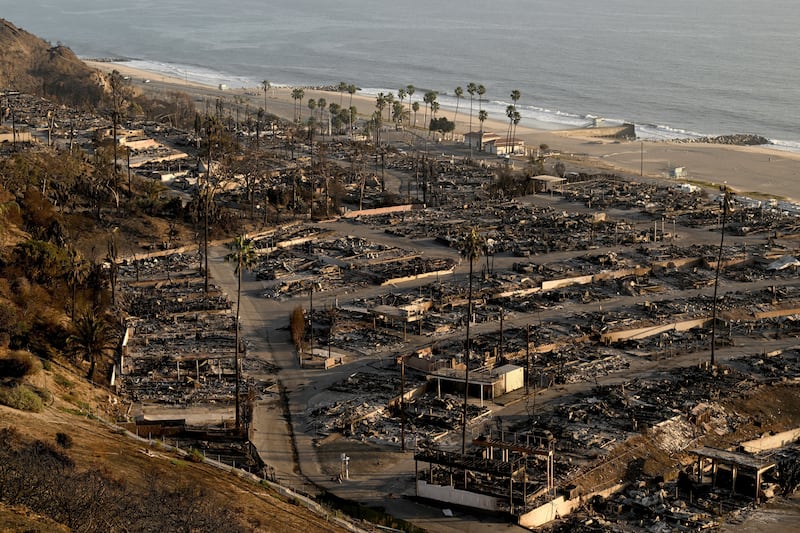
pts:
[264, 324]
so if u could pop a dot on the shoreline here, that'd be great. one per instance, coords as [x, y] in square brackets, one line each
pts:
[757, 170]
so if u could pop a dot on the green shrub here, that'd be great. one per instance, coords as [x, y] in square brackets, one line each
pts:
[195, 456]
[22, 398]
[64, 382]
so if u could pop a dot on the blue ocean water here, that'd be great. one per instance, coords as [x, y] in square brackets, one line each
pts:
[675, 68]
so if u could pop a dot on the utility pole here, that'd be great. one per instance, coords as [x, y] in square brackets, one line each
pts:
[726, 198]
[402, 404]
[311, 318]
[502, 353]
[528, 360]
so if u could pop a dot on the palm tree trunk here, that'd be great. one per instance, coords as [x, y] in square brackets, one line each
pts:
[238, 421]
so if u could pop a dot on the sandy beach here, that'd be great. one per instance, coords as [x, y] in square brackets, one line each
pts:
[755, 170]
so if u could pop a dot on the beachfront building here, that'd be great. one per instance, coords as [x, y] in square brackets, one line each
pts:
[478, 139]
[504, 147]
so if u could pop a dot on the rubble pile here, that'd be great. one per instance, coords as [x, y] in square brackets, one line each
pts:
[613, 193]
[365, 406]
[180, 345]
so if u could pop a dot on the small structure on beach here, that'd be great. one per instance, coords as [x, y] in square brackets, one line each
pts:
[677, 172]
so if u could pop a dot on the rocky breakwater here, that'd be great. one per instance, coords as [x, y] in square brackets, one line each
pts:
[738, 139]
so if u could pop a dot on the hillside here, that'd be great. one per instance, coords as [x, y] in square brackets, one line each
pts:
[162, 487]
[31, 65]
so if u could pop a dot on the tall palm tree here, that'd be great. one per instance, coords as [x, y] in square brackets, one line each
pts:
[398, 112]
[481, 90]
[297, 96]
[510, 110]
[459, 92]
[312, 105]
[342, 87]
[380, 104]
[470, 247]
[410, 90]
[78, 275]
[91, 338]
[266, 85]
[482, 116]
[322, 104]
[243, 253]
[401, 95]
[429, 99]
[516, 118]
[389, 99]
[515, 96]
[351, 90]
[471, 88]
[415, 108]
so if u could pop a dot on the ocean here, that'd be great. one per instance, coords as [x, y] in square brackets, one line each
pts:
[677, 68]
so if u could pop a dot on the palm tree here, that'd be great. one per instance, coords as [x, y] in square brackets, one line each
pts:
[90, 339]
[352, 113]
[312, 105]
[481, 90]
[297, 96]
[389, 99]
[322, 104]
[410, 90]
[415, 108]
[77, 276]
[243, 253]
[429, 99]
[510, 110]
[351, 90]
[515, 95]
[342, 87]
[401, 95]
[380, 104]
[398, 112]
[516, 118]
[482, 116]
[470, 247]
[265, 84]
[471, 88]
[459, 92]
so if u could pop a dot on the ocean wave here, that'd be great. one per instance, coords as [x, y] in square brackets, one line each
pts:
[191, 73]
[786, 146]
[532, 116]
